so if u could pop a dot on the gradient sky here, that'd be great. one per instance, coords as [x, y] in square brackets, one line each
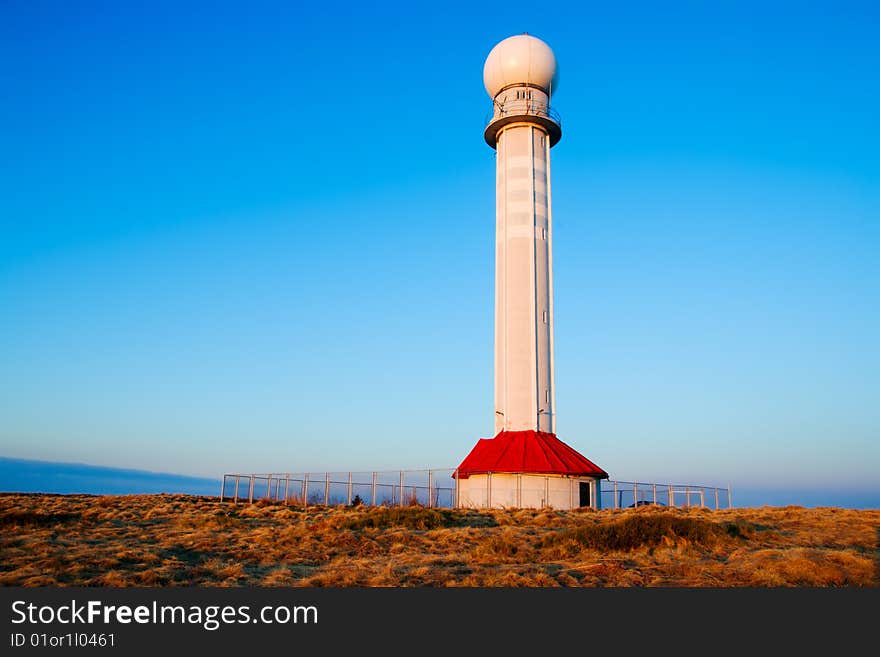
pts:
[260, 236]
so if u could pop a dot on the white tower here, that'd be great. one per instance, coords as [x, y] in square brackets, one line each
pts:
[525, 464]
[520, 77]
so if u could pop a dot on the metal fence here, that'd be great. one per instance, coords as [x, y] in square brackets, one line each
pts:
[430, 488]
[437, 488]
[626, 494]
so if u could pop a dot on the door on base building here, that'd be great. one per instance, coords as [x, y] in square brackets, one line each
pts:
[585, 493]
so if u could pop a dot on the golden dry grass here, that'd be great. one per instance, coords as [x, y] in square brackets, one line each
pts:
[169, 540]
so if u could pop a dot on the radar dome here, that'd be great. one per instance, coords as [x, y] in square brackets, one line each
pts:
[520, 59]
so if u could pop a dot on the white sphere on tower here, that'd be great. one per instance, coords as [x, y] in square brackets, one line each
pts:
[520, 60]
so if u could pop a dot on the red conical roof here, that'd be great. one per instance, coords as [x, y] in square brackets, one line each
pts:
[527, 452]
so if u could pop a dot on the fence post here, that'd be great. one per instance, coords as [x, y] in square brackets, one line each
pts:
[305, 499]
[687, 497]
[348, 503]
[373, 494]
[237, 478]
[635, 495]
[269, 487]
[716, 499]
[223, 488]
[729, 498]
[287, 489]
[615, 494]
[251, 490]
[702, 498]
[401, 488]
[654, 487]
[430, 488]
[671, 495]
[326, 489]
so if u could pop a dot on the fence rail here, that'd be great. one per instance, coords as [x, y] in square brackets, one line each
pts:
[438, 488]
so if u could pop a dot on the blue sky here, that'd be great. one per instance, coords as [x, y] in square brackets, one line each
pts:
[260, 236]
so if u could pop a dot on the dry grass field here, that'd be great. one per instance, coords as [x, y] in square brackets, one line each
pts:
[173, 540]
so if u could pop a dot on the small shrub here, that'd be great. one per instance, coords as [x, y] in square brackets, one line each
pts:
[415, 517]
[742, 529]
[410, 517]
[638, 531]
[35, 518]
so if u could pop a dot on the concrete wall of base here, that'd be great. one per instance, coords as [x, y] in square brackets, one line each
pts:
[524, 491]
